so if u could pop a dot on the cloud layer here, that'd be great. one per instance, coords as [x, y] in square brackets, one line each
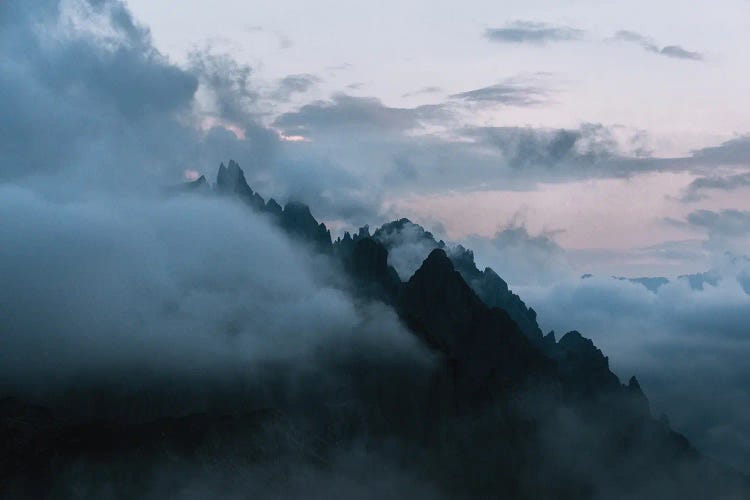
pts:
[134, 293]
[682, 344]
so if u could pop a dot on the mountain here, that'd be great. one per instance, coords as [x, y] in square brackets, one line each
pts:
[492, 289]
[230, 181]
[651, 283]
[496, 411]
[698, 281]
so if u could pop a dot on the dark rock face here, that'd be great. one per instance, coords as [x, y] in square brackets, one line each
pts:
[583, 367]
[485, 346]
[273, 208]
[638, 399]
[297, 220]
[494, 291]
[366, 261]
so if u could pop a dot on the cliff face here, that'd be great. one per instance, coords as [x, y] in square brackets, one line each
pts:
[499, 411]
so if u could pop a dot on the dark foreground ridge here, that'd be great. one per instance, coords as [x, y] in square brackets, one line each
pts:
[500, 412]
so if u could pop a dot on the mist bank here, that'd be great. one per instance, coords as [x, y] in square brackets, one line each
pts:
[126, 292]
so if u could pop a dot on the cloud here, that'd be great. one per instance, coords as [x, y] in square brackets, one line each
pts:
[284, 42]
[423, 91]
[69, 85]
[528, 148]
[102, 107]
[674, 51]
[65, 93]
[344, 111]
[695, 191]
[139, 292]
[229, 83]
[722, 223]
[130, 283]
[427, 148]
[532, 33]
[521, 258]
[517, 91]
[408, 246]
[735, 151]
[680, 53]
[294, 84]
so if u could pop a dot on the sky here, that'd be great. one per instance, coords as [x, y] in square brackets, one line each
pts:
[552, 138]
[643, 82]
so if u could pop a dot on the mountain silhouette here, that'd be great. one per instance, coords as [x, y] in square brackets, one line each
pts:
[499, 411]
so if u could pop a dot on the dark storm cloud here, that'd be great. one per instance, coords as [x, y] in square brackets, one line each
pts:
[674, 51]
[66, 96]
[517, 91]
[294, 84]
[532, 33]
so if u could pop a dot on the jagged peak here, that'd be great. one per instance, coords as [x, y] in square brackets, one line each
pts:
[633, 384]
[437, 268]
[273, 206]
[388, 230]
[297, 207]
[363, 232]
[574, 338]
[231, 179]
[496, 279]
[438, 259]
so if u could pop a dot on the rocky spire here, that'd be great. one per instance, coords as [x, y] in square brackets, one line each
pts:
[297, 220]
[638, 399]
[231, 181]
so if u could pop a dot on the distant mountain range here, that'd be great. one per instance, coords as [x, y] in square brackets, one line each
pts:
[696, 281]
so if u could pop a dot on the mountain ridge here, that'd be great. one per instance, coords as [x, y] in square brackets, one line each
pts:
[500, 410]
